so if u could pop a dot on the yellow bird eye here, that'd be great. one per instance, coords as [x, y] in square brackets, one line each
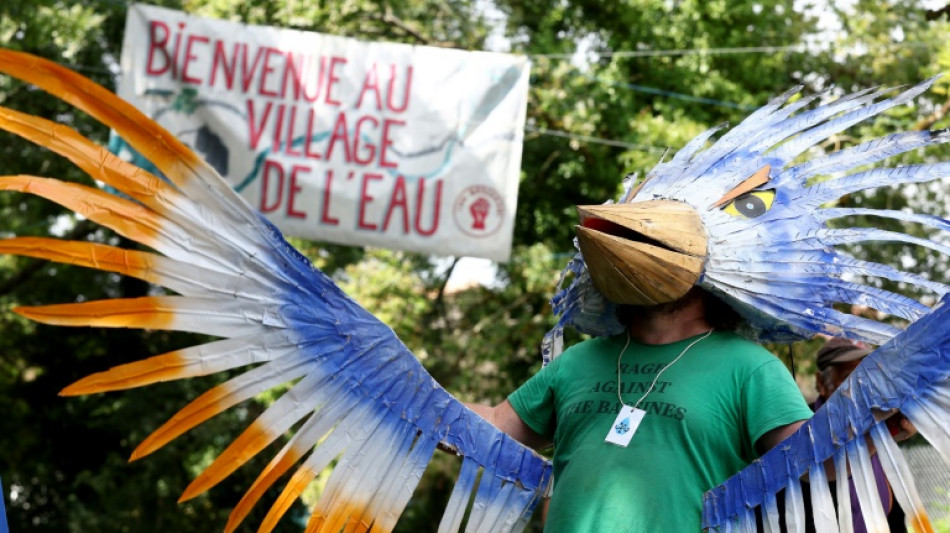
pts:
[751, 204]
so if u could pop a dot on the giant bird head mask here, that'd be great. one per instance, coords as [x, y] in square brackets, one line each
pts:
[742, 218]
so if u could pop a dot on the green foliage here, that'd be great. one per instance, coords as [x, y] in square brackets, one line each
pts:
[65, 457]
[626, 98]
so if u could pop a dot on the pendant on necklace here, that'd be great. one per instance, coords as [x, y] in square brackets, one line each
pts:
[625, 425]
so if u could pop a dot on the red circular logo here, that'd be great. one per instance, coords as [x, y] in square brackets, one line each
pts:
[479, 211]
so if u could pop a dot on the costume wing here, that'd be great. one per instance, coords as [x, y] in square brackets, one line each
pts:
[359, 396]
[910, 373]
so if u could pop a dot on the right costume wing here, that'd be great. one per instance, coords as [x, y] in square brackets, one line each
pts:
[910, 373]
[359, 397]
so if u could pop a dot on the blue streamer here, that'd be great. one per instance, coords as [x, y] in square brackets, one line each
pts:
[4, 528]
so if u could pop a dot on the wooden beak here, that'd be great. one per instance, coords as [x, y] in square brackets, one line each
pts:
[644, 253]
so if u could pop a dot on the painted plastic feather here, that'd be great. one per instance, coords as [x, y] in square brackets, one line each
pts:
[741, 218]
[910, 373]
[361, 399]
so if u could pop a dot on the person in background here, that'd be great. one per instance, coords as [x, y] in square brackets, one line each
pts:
[836, 360]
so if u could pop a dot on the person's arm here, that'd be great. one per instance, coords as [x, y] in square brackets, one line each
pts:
[902, 428]
[772, 437]
[504, 417]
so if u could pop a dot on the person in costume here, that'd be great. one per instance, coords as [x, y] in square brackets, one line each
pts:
[713, 401]
[737, 221]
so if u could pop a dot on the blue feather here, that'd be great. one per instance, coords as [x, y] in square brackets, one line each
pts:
[863, 154]
[792, 149]
[461, 494]
[4, 528]
[790, 127]
[836, 291]
[831, 237]
[826, 191]
[935, 222]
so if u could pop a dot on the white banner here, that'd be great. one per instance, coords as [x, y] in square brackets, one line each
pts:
[333, 139]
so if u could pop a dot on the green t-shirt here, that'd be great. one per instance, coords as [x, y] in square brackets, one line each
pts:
[704, 415]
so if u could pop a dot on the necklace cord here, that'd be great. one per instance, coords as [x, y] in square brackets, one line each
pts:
[660, 373]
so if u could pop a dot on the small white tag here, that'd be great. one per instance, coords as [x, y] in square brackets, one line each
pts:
[625, 425]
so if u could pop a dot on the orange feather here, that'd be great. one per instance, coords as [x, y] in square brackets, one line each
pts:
[125, 217]
[154, 142]
[153, 312]
[254, 439]
[90, 157]
[344, 515]
[295, 487]
[277, 467]
[166, 367]
[87, 254]
[200, 409]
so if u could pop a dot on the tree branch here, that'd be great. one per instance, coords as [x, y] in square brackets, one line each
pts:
[389, 18]
[926, 123]
[440, 297]
[934, 14]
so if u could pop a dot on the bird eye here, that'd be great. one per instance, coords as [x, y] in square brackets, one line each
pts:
[751, 204]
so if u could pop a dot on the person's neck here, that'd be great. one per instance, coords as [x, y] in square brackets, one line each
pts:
[665, 327]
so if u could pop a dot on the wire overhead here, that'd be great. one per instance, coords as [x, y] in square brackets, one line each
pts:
[798, 48]
[594, 140]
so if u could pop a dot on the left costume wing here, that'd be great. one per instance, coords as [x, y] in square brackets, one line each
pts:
[910, 373]
[359, 396]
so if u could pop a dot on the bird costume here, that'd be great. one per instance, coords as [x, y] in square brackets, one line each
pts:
[740, 218]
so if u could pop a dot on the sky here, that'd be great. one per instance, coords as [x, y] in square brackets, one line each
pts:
[471, 270]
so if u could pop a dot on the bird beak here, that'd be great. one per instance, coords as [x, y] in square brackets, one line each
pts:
[643, 253]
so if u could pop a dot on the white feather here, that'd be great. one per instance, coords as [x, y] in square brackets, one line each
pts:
[900, 477]
[865, 486]
[770, 514]
[458, 501]
[845, 520]
[794, 507]
[822, 504]
[930, 422]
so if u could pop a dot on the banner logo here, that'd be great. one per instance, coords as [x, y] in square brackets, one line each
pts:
[479, 211]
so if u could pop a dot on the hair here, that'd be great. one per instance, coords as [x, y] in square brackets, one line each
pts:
[826, 377]
[719, 314]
